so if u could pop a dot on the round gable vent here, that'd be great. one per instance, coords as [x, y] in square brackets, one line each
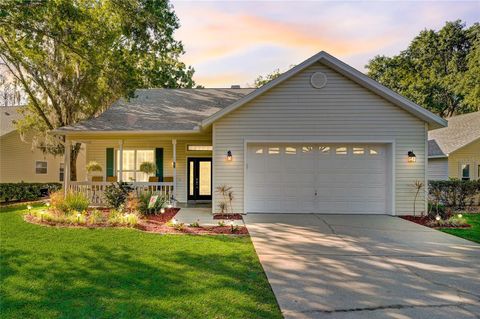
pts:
[318, 80]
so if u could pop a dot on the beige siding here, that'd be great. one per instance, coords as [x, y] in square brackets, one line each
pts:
[96, 151]
[17, 162]
[438, 169]
[342, 110]
[469, 154]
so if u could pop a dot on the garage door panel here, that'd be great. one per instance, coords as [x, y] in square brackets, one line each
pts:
[345, 178]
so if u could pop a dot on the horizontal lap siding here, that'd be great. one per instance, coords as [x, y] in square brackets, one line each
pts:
[96, 152]
[342, 110]
[468, 154]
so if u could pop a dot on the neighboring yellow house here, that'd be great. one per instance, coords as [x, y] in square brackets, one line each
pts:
[19, 162]
[454, 151]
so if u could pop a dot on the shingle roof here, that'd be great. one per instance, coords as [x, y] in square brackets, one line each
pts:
[461, 131]
[8, 116]
[161, 109]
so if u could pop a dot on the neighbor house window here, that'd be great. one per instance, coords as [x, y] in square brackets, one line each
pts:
[61, 172]
[200, 147]
[41, 167]
[132, 159]
[465, 172]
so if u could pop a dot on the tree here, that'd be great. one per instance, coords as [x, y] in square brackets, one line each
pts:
[73, 58]
[264, 79]
[440, 70]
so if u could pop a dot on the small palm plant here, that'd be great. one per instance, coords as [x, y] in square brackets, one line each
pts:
[227, 194]
[418, 185]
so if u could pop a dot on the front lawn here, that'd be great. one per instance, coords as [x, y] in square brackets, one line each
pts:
[48, 272]
[471, 233]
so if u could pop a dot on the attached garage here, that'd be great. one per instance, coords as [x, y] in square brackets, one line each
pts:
[318, 178]
[322, 138]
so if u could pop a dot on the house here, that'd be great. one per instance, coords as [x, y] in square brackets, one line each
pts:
[19, 162]
[322, 137]
[454, 151]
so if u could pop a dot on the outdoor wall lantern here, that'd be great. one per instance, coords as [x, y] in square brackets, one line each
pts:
[412, 158]
[229, 156]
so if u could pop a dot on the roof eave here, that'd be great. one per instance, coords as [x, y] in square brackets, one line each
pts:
[134, 132]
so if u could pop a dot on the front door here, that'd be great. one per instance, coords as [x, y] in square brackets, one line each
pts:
[199, 185]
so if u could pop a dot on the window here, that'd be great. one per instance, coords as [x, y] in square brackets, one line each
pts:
[132, 159]
[341, 150]
[358, 151]
[61, 172]
[478, 172]
[324, 150]
[41, 167]
[259, 150]
[373, 151]
[273, 150]
[200, 147]
[290, 150]
[465, 172]
[307, 149]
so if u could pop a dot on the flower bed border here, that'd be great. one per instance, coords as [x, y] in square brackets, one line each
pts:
[425, 220]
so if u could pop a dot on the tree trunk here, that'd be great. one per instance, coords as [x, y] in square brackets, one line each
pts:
[73, 160]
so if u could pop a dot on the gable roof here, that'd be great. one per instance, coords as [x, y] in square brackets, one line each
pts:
[8, 116]
[154, 110]
[461, 131]
[433, 120]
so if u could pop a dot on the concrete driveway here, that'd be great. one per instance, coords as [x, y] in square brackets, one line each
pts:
[350, 266]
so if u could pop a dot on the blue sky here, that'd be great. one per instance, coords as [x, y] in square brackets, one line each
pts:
[231, 42]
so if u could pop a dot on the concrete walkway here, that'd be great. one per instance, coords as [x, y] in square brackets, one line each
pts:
[331, 266]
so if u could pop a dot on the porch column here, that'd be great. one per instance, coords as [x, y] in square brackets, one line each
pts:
[174, 142]
[120, 161]
[66, 164]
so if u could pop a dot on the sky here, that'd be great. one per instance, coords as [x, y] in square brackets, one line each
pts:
[232, 42]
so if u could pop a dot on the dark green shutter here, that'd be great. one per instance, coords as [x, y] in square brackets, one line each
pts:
[159, 163]
[110, 162]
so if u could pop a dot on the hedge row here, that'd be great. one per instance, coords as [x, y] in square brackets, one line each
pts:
[26, 191]
[454, 193]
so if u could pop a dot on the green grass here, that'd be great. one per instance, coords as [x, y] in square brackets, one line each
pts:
[472, 233]
[50, 272]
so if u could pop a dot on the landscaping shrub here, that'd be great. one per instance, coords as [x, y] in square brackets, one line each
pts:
[75, 202]
[435, 209]
[26, 191]
[116, 194]
[144, 199]
[454, 193]
[453, 221]
[118, 218]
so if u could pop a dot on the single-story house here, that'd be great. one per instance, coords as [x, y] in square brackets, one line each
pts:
[454, 151]
[19, 162]
[322, 137]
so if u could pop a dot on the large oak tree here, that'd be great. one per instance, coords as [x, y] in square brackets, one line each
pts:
[440, 70]
[73, 58]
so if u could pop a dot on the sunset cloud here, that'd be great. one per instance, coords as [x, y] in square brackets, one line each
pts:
[233, 42]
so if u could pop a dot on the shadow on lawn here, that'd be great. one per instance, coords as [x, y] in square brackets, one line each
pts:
[99, 281]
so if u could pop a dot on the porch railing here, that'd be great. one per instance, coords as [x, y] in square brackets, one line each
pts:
[95, 190]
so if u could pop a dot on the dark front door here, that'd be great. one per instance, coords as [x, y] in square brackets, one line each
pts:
[199, 186]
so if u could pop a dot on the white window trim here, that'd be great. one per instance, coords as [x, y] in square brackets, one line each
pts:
[460, 171]
[46, 172]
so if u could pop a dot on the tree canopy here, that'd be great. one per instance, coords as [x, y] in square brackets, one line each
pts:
[73, 58]
[440, 70]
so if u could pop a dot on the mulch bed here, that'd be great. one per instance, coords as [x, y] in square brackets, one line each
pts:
[424, 221]
[154, 224]
[228, 216]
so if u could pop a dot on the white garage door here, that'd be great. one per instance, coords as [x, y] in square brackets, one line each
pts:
[323, 178]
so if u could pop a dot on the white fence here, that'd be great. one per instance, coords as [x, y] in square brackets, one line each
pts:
[95, 190]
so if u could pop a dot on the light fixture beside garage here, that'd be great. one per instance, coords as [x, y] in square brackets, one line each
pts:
[229, 156]
[412, 158]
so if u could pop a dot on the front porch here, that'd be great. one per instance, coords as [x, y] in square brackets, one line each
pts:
[184, 171]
